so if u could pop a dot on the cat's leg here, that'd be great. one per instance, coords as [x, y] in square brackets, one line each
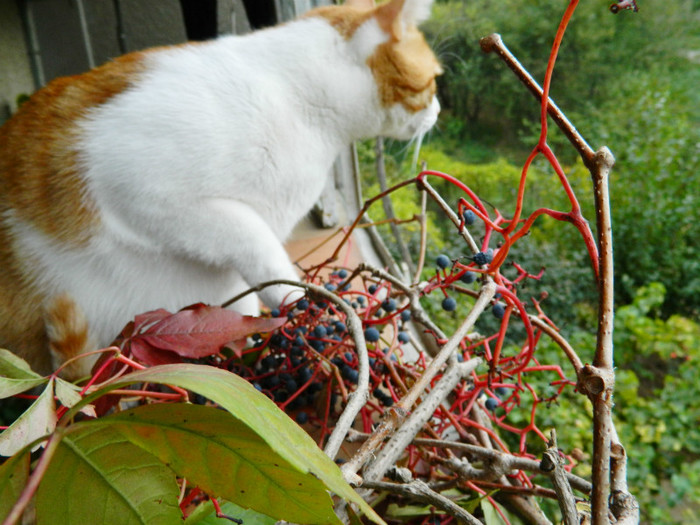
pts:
[230, 233]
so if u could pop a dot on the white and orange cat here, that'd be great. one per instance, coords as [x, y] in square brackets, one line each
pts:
[172, 176]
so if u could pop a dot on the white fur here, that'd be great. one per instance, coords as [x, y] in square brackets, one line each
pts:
[416, 11]
[201, 169]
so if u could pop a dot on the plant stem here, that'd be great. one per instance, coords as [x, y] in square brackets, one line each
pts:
[34, 479]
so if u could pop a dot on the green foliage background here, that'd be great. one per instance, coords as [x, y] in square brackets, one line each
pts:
[627, 81]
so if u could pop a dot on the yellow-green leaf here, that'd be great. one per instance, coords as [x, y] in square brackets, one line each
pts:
[216, 452]
[15, 375]
[98, 476]
[259, 413]
[37, 421]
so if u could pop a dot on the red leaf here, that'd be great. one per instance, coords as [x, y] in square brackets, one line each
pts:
[237, 347]
[148, 355]
[199, 330]
[143, 321]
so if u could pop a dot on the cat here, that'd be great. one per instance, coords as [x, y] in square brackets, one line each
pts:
[173, 175]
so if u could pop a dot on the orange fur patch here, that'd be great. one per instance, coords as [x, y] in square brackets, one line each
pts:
[67, 333]
[345, 19]
[21, 324]
[40, 183]
[405, 71]
[39, 169]
[404, 67]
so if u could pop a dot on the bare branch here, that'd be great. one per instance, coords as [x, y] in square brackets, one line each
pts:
[403, 436]
[494, 43]
[552, 463]
[419, 490]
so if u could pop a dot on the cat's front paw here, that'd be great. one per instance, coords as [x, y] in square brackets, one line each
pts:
[281, 294]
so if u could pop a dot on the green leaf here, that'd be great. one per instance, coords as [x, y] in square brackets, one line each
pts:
[15, 375]
[491, 515]
[205, 514]
[37, 421]
[69, 395]
[13, 477]
[225, 458]
[97, 476]
[406, 512]
[257, 412]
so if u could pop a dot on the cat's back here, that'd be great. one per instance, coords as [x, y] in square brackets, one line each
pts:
[40, 168]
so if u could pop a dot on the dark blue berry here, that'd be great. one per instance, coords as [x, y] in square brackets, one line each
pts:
[330, 287]
[443, 261]
[372, 289]
[389, 305]
[361, 299]
[275, 312]
[272, 381]
[317, 345]
[480, 258]
[320, 331]
[268, 361]
[468, 277]
[257, 387]
[502, 391]
[280, 396]
[342, 274]
[303, 304]
[302, 417]
[469, 217]
[403, 337]
[340, 327]
[305, 374]
[406, 316]
[372, 334]
[449, 304]
[491, 404]
[199, 399]
[498, 310]
[291, 385]
[353, 376]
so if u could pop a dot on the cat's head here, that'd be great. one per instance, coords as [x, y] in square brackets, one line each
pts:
[387, 39]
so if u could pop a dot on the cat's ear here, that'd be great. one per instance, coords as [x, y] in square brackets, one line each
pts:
[395, 15]
[362, 4]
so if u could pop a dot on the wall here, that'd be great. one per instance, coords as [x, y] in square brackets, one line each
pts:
[15, 73]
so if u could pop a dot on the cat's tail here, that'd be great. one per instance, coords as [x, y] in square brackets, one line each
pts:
[68, 336]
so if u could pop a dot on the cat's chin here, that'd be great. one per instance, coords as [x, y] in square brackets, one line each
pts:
[403, 125]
